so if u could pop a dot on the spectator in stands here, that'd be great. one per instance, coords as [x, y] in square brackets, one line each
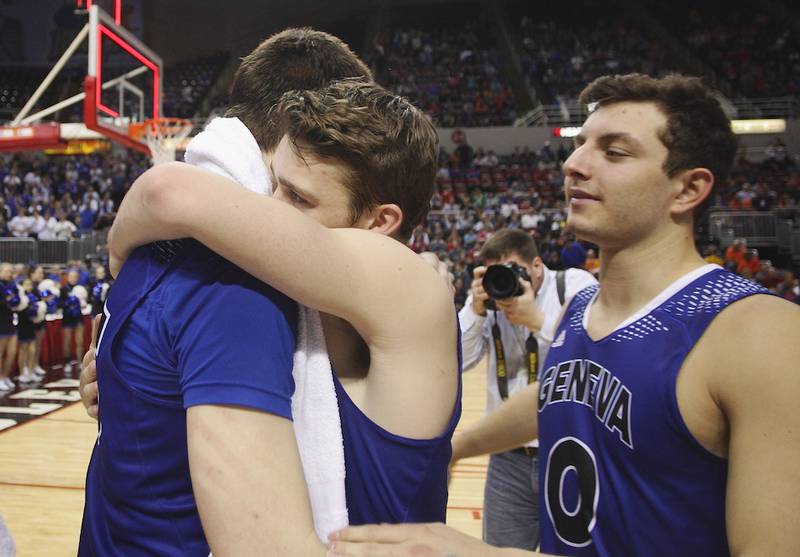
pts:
[20, 226]
[573, 254]
[50, 228]
[420, 240]
[489, 160]
[65, 228]
[37, 222]
[769, 277]
[735, 253]
[762, 200]
[463, 152]
[750, 264]
[789, 287]
[12, 181]
[87, 216]
[592, 263]
[712, 255]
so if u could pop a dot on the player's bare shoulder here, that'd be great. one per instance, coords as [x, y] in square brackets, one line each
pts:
[403, 290]
[759, 322]
[753, 343]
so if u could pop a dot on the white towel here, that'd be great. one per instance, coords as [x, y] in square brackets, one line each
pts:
[227, 147]
[317, 426]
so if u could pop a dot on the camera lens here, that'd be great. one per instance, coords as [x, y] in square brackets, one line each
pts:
[500, 282]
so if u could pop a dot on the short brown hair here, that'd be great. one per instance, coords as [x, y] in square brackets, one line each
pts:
[388, 146]
[507, 241]
[698, 133]
[294, 59]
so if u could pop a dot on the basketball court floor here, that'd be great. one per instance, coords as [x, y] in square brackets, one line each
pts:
[43, 461]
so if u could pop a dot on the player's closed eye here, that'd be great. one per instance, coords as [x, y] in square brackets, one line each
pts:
[296, 199]
[291, 196]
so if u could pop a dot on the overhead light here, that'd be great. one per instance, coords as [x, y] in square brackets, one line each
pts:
[773, 125]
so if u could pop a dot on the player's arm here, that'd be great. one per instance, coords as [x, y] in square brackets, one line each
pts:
[354, 274]
[512, 425]
[233, 342]
[411, 540]
[757, 382]
[87, 384]
[248, 482]
[515, 423]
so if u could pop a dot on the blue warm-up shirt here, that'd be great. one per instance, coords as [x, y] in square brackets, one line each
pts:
[179, 331]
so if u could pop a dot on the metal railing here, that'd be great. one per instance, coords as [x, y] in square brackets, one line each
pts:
[18, 250]
[759, 229]
[51, 252]
[571, 113]
[774, 107]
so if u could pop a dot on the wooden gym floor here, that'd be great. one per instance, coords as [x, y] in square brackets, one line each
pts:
[46, 439]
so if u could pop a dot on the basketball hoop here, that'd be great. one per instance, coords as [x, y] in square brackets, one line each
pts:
[163, 136]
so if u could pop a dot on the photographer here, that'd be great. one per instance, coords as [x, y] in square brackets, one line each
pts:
[518, 324]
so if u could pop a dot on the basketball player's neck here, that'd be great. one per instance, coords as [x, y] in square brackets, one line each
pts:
[632, 275]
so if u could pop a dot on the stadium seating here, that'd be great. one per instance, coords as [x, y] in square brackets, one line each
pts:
[187, 84]
[448, 66]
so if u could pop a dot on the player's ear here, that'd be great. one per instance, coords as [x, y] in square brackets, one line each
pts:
[692, 188]
[384, 219]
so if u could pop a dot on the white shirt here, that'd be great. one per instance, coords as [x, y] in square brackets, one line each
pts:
[530, 220]
[20, 226]
[476, 335]
[37, 224]
[49, 232]
[64, 229]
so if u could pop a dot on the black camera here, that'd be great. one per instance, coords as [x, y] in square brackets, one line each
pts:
[502, 281]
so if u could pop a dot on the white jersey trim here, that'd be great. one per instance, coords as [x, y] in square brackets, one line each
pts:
[662, 297]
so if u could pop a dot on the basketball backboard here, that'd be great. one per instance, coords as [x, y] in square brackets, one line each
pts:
[123, 83]
[112, 7]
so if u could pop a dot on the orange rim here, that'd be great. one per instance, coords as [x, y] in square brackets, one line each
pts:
[165, 127]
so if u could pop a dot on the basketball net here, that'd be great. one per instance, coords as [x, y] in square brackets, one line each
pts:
[163, 136]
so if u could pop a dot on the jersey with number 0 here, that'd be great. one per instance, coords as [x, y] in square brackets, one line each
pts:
[621, 472]
[191, 331]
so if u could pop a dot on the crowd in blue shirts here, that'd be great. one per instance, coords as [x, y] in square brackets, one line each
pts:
[52, 197]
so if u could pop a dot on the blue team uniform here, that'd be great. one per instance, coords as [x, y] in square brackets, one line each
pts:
[622, 474]
[167, 344]
[392, 479]
[174, 351]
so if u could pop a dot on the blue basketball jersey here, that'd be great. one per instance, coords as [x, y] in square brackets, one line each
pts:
[181, 331]
[390, 478]
[621, 473]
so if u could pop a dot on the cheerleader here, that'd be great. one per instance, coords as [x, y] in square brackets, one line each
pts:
[8, 332]
[73, 299]
[29, 314]
[37, 275]
[98, 289]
